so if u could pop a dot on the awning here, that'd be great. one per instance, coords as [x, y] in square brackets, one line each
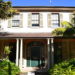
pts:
[25, 35]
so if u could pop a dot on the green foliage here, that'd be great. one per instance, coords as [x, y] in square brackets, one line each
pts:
[6, 10]
[69, 31]
[66, 29]
[58, 31]
[1, 0]
[66, 24]
[7, 50]
[8, 68]
[64, 68]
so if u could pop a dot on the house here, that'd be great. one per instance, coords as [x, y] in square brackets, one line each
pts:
[28, 33]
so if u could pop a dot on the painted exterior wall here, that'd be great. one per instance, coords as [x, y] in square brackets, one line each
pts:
[26, 29]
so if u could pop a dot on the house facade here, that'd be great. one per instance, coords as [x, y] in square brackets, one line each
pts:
[28, 33]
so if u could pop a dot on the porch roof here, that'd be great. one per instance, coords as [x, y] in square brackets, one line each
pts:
[25, 35]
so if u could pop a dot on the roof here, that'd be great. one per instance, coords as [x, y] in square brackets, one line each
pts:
[31, 35]
[25, 35]
[44, 8]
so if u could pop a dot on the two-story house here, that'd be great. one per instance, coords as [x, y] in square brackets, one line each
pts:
[28, 33]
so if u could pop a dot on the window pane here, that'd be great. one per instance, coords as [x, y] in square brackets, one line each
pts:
[35, 19]
[16, 17]
[35, 24]
[55, 19]
[15, 23]
[55, 24]
[16, 20]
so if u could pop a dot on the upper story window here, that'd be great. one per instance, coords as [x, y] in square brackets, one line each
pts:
[55, 21]
[16, 20]
[35, 19]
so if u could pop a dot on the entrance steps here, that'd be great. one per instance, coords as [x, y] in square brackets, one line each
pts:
[35, 73]
[38, 72]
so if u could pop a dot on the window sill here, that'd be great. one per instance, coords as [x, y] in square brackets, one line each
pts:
[55, 26]
[35, 26]
[14, 27]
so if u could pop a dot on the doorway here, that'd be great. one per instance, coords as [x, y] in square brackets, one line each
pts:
[35, 54]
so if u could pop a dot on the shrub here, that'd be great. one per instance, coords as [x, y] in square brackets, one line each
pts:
[58, 31]
[8, 68]
[64, 68]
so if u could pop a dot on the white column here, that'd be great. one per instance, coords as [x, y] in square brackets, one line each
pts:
[48, 47]
[52, 52]
[21, 53]
[17, 52]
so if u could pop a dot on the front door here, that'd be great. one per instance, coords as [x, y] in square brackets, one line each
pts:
[34, 56]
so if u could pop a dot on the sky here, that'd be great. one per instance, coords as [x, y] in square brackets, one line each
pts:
[42, 2]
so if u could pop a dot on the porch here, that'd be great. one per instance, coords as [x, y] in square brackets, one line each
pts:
[37, 52]
[28, 54]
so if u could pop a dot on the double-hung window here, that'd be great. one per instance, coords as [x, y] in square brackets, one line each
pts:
[55, 20]
[35, 19]
[16, 20]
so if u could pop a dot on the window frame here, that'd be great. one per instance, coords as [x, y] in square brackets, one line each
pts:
[14, 21]
[56, 20]
[35, 20]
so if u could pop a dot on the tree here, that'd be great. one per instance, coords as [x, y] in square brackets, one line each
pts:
[7, 51]
[67, 28]
[6, 10]
[60, 31]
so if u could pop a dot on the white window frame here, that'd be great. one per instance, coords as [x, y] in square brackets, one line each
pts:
[35, 20]
[15, 20]
[55, 19]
